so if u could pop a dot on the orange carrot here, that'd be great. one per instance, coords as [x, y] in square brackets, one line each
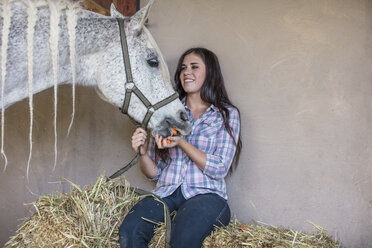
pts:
[168, 141]
[174, 131]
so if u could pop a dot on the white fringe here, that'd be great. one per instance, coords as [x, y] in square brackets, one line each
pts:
[55, 8]
[31, 20]
[71, 14]
[4, 51]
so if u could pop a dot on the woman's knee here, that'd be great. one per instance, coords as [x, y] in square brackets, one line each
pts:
[135, 235]
[211, 208]
[196, 219]
[134, 230]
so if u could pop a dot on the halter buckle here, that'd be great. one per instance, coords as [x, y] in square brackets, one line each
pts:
[152, 110]
[129, 85]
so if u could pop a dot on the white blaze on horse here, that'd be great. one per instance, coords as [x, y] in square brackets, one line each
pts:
[45, 43]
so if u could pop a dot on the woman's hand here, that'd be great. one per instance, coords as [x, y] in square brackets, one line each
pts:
[199, 157]
[168, 142]
[139, 139]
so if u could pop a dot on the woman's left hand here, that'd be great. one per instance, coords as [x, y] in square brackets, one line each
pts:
[163, 144]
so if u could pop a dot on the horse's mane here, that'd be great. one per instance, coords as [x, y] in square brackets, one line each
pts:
[56, 8]
[29, 24]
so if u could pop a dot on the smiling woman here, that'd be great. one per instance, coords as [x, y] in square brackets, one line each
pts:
[192, 77]
[190, 169]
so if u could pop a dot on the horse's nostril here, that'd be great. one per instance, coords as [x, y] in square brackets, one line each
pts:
[183, 116]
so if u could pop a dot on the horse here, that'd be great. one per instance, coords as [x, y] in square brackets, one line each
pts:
[46, 43]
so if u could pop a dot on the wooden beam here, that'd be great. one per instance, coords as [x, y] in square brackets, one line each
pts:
[127, 7]
[105, 4]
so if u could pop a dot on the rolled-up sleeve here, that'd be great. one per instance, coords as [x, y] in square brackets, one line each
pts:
[219, 162]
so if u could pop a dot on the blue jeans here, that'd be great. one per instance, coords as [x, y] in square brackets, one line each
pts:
[194, 221]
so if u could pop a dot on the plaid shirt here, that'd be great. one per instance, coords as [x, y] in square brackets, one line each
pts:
[210, 136]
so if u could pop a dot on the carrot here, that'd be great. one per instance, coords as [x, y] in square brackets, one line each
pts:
[243, 227]
[174, 131]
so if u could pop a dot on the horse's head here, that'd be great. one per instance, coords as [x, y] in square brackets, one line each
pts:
[150, 75]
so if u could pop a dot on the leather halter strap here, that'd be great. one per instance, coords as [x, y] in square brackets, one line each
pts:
[130, 86]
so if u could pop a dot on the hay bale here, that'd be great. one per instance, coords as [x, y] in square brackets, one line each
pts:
[88, 217]
[237, 234]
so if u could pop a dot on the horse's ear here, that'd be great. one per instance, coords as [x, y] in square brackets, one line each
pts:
[139, 18]
[114, 12]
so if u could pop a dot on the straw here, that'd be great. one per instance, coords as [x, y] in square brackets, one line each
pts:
[239, 235]
[90, 217]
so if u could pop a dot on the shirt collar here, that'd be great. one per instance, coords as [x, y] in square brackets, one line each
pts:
[212, 107]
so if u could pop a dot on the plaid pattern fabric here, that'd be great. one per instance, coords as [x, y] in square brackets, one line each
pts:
[210, 136]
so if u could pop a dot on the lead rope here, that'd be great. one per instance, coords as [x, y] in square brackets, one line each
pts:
[128, 166]
[167, 219]
[130, 87]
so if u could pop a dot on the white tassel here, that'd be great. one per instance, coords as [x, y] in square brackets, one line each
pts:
[4, 51]
[71, 14]
[55, 8]
[31, 20]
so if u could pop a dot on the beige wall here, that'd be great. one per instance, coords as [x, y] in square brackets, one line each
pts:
[300, 72]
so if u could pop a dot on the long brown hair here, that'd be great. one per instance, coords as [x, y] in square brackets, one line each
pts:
[213, 91]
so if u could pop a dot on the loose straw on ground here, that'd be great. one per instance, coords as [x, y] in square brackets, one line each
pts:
[239, 235]
[88, 217]
[91, 217]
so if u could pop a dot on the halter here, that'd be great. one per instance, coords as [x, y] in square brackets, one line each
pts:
[130, 86]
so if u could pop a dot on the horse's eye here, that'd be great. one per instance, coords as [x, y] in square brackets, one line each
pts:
[153, 62]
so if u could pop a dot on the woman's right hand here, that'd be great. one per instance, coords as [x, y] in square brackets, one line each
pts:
[139, 139]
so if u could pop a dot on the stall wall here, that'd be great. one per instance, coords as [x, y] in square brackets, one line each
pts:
[300, 73]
